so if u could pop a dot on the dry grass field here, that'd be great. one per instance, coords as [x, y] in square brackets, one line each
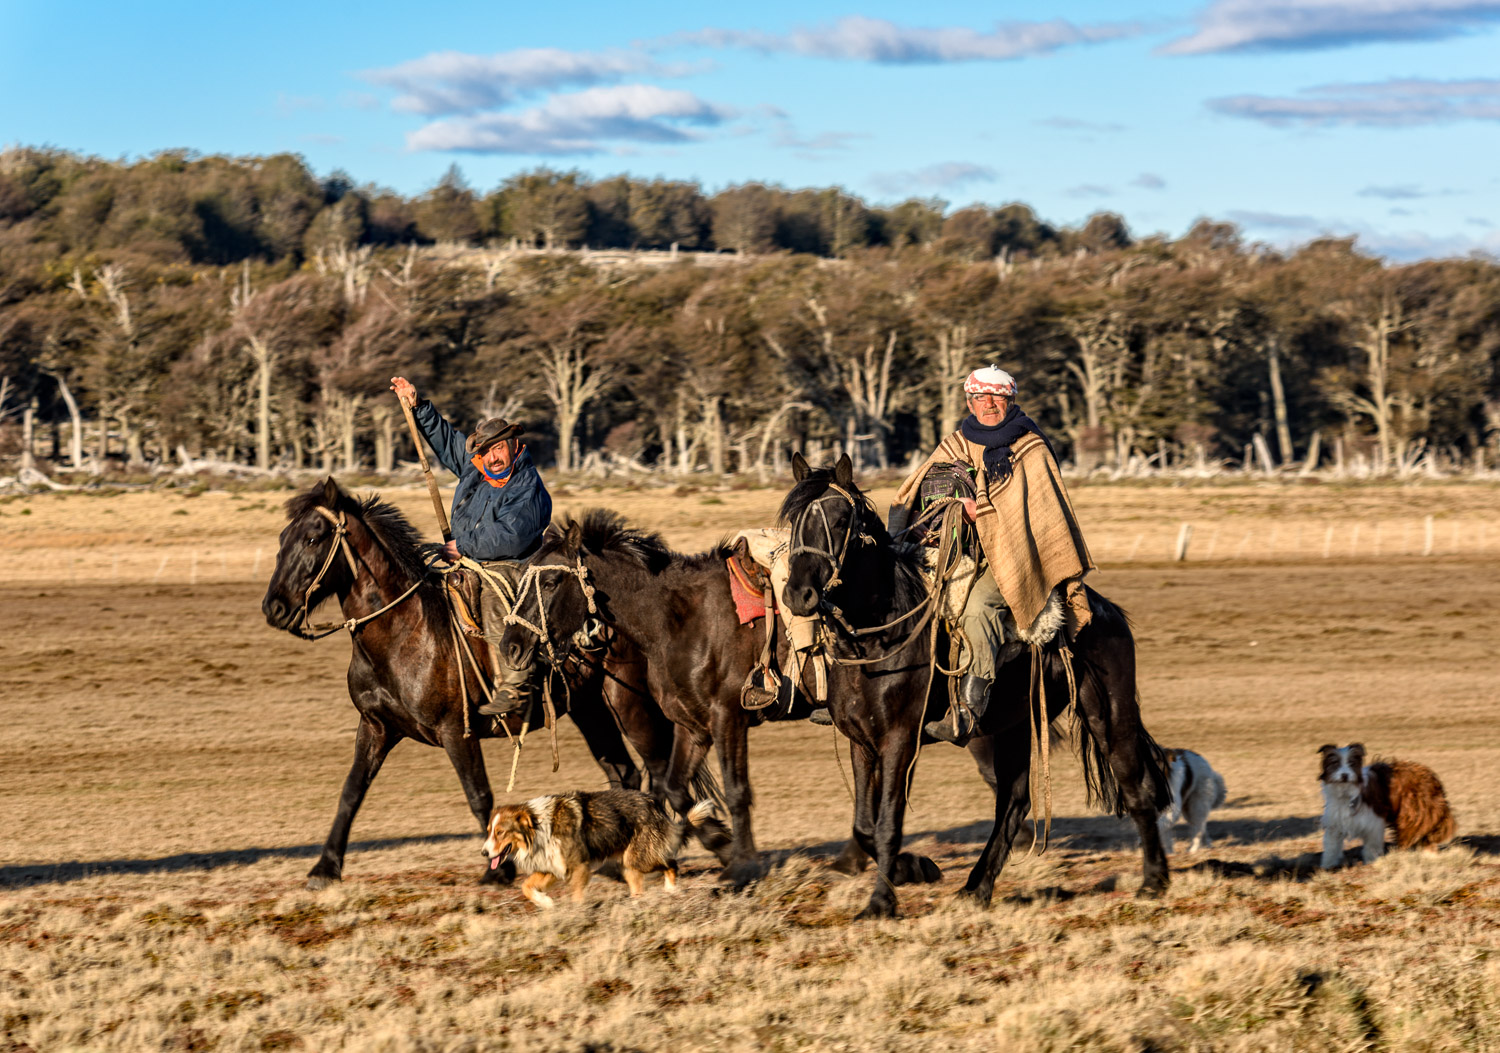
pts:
[170, 765]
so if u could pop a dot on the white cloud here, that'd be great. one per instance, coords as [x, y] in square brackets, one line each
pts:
[578, 123]
[1396, 192]
[1149, 181]
[1288, 232]
[948, 175]
[1391, 104]
[1265, 25]
[456, 82]
[1089, 190]
[1273, 220]
[824, 142]
[859, 38]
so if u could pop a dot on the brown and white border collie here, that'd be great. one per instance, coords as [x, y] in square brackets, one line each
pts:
[1362, 801]
[563, 837]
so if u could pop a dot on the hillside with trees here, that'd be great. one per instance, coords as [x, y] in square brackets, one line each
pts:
[186, 309]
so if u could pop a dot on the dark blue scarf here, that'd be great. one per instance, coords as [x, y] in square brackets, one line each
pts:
[998, 440]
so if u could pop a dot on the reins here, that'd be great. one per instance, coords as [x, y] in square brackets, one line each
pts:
[308, 631]
[461, 648]
[532, 579]
[946, 556]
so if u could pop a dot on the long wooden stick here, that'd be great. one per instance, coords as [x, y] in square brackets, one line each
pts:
[432, 486]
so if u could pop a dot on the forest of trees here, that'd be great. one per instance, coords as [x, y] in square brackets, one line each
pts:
[244, 310]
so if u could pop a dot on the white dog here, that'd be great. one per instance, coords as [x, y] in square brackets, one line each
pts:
[1196, 790]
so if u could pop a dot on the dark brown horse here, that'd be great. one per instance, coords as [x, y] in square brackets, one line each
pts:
[404, 673]
[677, 611]
[881, 706]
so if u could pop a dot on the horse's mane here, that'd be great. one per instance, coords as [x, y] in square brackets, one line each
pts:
[605, 532]
[402, 543]
[911, 587]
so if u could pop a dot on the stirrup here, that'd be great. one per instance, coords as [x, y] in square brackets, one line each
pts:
[943, 731]
[760, 690]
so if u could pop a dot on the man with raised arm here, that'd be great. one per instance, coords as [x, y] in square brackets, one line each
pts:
[500, 506]
[1029, 540]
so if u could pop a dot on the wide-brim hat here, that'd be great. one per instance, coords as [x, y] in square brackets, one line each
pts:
[490, 431]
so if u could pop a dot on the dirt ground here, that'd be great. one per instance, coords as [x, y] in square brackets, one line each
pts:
[162, 740]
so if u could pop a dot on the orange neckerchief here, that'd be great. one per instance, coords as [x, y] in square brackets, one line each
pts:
[499, 484]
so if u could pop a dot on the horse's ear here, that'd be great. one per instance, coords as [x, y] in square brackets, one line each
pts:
[843, 472]
[552, 532]
[741, 549]
[799, 467]
[573, 538]
[332, 494]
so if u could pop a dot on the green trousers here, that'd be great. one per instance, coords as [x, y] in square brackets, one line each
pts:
[981, 623]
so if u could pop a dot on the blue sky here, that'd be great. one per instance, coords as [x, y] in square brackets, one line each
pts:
[1290, 117]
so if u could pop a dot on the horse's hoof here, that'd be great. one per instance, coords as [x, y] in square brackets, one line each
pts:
[974, 897]
[876, 912]
[1153, 891]
[739, 875]
[318, 882]
[851, 862]
[912, 869]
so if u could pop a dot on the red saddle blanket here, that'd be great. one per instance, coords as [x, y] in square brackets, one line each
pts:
[749, 601]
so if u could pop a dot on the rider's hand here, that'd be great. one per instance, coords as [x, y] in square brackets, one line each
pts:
[971, 508]
[405, 391]
[450, 552]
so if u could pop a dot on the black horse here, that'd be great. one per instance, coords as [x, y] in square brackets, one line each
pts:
[404, 672]
[881, 706]
[677, 612]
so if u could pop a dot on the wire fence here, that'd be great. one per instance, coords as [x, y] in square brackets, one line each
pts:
[1204, 541]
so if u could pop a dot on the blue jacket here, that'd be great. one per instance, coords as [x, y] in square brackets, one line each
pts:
[488, 523]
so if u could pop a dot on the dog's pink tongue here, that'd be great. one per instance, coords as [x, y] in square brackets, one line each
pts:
[494, 862]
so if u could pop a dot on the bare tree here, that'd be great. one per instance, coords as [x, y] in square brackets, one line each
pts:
[570, 342]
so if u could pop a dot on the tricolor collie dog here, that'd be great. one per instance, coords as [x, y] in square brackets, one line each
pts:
[563, 837]
[1196, 790]
[1361, 800]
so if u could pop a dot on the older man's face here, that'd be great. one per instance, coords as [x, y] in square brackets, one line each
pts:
[498, 457]
[989, 410]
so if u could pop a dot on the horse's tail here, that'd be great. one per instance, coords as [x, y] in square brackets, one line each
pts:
[1100, 784]
[704, 786]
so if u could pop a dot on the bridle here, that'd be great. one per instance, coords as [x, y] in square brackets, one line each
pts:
[835, 562]
[587, 637]
[301, 626]
[827, 606]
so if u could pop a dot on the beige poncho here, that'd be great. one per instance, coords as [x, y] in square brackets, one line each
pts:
[1026, 527]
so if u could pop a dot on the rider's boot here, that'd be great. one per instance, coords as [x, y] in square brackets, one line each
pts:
[974, 692]
[821, 717]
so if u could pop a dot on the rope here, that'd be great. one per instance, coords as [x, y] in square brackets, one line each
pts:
[1041, 746]
[515, 756]
[532, 578]
[340, 543]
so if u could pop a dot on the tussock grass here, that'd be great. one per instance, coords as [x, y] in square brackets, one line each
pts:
[1399, 955]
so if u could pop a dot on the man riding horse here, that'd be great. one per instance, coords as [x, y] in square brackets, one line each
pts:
[500, 506]
[1029, 540]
